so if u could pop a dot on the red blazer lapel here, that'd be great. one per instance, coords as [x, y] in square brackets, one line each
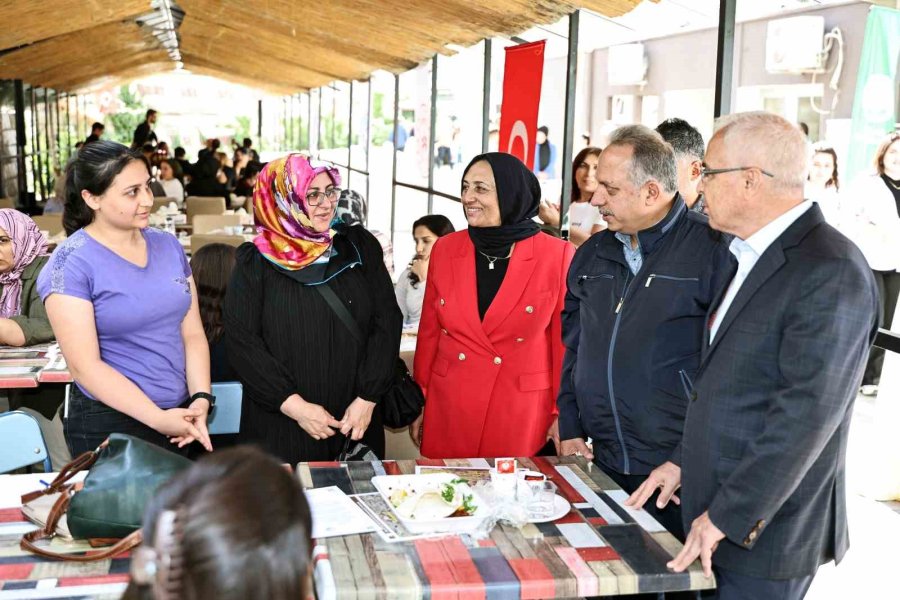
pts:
[521, 266]
[466, 293]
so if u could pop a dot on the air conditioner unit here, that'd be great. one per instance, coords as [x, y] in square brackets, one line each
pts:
[794, 45]
[627, 64]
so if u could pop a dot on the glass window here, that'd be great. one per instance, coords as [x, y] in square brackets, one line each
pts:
[414, 162]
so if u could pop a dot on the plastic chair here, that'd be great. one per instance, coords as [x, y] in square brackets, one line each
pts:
[208, 223]
[226, 416]
[21, 442]
[203, 205]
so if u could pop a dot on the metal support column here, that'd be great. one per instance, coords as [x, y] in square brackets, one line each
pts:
[59, 162]
[259, 117]
[68, 127]
[319, 125]
[432, 131]
[21, 176]
[368, 145]
[394, 154]
[350, 142]
[725, 58]
[47, 125]
[309, 121]
[569, 119]
[486, 97]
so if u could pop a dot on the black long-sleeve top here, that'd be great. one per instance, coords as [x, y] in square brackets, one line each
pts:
[282, 338]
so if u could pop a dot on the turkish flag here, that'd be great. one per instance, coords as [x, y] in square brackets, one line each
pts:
[522, 75]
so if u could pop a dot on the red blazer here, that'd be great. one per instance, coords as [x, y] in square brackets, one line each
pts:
[490, 387]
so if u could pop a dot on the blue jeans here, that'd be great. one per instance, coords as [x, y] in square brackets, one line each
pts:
[90, 422]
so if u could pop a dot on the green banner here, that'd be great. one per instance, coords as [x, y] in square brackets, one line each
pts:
[875, 103]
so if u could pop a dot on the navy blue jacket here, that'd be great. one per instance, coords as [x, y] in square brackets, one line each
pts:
[633, 341]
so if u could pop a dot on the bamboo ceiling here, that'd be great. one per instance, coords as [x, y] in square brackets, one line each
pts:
[281, 46]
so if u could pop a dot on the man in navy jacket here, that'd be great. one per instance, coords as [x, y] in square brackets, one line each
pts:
[765, 439]
[634, 315]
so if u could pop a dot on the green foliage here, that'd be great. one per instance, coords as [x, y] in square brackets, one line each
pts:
[241, 128]
[120, 125]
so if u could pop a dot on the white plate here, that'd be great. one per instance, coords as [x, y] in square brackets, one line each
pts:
[561, 508]
[385, 484]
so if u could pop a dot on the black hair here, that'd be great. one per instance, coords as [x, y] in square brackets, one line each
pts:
[180, 152]
[148, 147]
[439, 225]
[150, 112]
[683, 137]
[98, 125]
[543, 129]
[804, 128]
[95, 167]
[247, 143]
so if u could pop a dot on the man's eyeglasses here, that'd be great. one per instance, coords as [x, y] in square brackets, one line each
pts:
[706, 172]
[316, 198]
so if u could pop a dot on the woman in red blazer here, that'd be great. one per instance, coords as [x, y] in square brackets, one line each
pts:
[489, 350]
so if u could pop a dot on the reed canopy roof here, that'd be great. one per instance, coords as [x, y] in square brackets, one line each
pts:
[282, 46]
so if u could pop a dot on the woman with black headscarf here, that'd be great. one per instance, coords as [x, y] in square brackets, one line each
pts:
[489, 351]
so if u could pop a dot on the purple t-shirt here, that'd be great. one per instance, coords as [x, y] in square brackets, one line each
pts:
[138, 311]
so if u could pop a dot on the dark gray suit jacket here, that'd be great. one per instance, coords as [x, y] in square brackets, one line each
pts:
[765, 437]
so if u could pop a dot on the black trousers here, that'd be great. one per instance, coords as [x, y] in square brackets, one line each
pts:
[734, 586]
[90, 422]
[888, 290]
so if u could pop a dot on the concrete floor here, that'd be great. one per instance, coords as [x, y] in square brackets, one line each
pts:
[871, 568]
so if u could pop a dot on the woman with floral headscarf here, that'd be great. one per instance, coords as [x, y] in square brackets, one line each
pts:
[308, 383]
[23, 253]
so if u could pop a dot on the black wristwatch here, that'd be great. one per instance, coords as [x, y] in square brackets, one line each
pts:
[209, 397]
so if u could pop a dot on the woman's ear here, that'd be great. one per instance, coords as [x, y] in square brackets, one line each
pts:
[91, 200]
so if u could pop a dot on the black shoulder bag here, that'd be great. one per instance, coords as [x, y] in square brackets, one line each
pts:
[403, 403]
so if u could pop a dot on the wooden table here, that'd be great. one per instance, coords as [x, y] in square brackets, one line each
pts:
[51, 368]
[598, 549]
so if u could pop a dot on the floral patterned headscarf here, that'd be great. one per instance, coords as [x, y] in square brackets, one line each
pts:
[284, 230]
[28, 243]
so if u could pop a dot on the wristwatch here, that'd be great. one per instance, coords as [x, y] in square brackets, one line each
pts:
[209, 397]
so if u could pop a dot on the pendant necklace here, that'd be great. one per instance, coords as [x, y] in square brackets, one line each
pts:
[492, 259]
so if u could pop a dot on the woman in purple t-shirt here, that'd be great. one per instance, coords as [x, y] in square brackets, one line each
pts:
[123, 305]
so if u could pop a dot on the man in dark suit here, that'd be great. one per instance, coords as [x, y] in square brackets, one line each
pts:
[762, 456]
[143, 133]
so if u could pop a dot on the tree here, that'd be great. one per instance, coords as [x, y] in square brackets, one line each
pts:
[120, 125]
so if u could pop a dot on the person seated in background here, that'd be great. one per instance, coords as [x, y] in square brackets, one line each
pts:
[169, 180]
[212, 266]
[240, 161]
[583, 219]
[353, 209]
[689, 148]
[247, 181]
[234, 525]
[248, 146]
[410, 288]
[225, 173]
[181, 157]
[23, 253]
[544, 156]
[204, 180]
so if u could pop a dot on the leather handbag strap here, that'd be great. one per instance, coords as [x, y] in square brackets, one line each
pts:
[83, 461]
[49, 530]
[341, 311]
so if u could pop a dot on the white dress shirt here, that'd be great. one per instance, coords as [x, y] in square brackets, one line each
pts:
[748, 252]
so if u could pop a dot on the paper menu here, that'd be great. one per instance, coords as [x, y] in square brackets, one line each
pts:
[334, 513]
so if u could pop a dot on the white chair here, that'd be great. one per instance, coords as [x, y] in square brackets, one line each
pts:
[226, 416]
[21, 442]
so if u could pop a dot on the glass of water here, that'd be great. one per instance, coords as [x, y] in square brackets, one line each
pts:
[543, 496]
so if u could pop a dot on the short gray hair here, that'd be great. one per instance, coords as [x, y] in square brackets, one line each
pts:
[652, 157]
[765, 140]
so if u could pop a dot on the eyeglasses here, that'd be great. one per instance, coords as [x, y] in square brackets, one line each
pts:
[706, 172]
[316, 198]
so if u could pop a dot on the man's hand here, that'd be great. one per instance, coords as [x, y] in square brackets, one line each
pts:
[575, 446]
[553, 434]
[702, 541]
[666, 478]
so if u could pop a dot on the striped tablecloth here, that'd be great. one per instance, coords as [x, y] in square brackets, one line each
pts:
[599, 548]
[23, 576]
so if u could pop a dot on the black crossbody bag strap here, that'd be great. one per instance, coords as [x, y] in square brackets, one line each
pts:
[341, 311]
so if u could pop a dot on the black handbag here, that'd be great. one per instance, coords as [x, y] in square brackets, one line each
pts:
[403, 402]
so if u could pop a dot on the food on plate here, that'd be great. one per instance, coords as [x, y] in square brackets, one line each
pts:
[431, 502]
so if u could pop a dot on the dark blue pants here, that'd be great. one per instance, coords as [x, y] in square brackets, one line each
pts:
[734, 586]
[90, 422]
